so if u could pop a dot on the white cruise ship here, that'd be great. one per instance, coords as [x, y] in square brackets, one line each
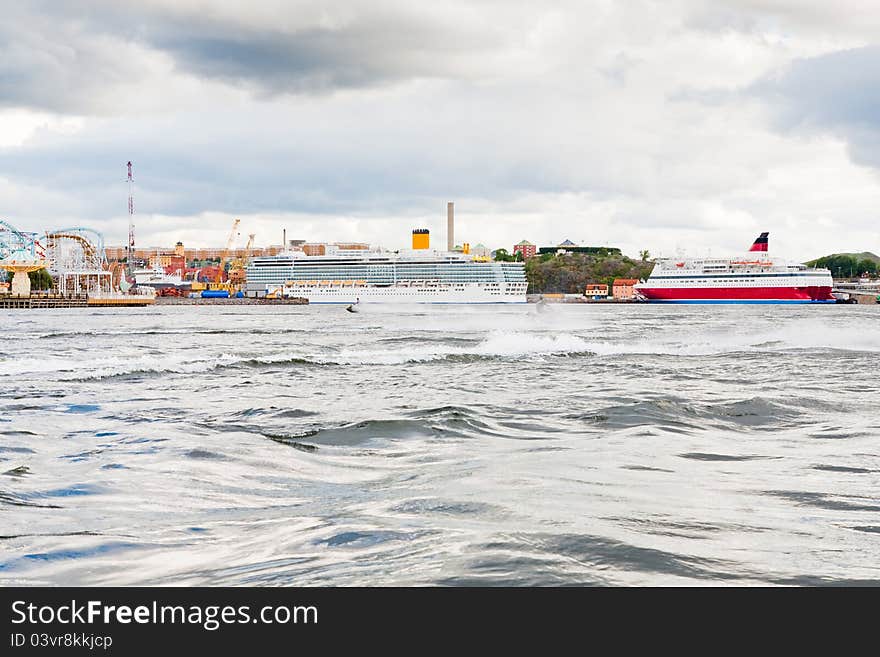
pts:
[418, 275]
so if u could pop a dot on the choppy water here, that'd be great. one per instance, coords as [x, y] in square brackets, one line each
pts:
[440, 445]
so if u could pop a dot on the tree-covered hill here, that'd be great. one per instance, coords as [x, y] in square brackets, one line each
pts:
[569, 273]
[848, 265]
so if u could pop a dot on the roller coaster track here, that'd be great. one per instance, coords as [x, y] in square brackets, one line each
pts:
[80, 233]
[18, 241]
[87, 247]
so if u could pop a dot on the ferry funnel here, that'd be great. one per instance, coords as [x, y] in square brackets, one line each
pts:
[760, 243]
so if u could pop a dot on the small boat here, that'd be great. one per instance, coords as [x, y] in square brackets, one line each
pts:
[353, 307]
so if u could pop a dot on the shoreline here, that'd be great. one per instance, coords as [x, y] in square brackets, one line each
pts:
[229, 301]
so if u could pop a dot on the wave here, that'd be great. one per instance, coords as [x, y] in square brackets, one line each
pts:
[360, 432]
[677, 415]
[92, 333]
[442, 422]
[498, 345]
[72, 369]
[793, 336]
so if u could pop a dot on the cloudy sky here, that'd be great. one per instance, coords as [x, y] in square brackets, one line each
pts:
[643, 124]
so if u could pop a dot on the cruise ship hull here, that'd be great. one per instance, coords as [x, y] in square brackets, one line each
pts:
[403, 295]
[807, 294]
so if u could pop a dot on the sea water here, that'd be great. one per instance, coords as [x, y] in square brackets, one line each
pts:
[440, 445]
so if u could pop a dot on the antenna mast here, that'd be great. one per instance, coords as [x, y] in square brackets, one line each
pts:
[130, 222]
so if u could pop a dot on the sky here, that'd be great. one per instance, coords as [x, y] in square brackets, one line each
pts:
[673, 126]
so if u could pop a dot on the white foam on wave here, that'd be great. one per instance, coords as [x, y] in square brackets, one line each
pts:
[793, 336]
[508, 345]
[499, 344]
[66, 369]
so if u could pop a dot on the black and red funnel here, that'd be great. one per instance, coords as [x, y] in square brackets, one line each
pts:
[760, 243]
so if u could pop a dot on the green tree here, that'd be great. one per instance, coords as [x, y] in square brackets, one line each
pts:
[867, 266]
[846, 266]
[40, 279]
[645, 255]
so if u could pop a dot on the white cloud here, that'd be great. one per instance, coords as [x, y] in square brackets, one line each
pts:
[619, 123]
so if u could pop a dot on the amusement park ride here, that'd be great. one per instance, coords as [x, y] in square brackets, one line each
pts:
[73, 256]
[76, 260]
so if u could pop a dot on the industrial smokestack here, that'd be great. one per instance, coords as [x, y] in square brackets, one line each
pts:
[450, 226]
[284, 239]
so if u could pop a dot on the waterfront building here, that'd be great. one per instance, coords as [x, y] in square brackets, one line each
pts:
[159, 260]
[623, 288]
[324, 248]
[573, 248]
[200, 254]
[596, 291]
[526, 248]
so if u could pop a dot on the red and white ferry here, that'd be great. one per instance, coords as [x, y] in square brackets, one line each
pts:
[755, 278]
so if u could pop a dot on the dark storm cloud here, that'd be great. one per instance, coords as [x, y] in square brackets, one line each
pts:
[368, 52]
[54, 64]
[837, 93]
[70, 59]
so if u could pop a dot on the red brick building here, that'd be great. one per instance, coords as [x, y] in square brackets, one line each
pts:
[526, 248]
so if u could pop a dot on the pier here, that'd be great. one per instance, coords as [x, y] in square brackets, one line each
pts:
[75, 301]
[858, 293]
[44, 301]
[234, 301]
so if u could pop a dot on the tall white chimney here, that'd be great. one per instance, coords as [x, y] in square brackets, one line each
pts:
[450, 226]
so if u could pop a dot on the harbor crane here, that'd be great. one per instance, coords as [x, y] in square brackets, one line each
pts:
[238, 266]
[225, 257]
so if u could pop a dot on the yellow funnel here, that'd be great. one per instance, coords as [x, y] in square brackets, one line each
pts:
[421, 239]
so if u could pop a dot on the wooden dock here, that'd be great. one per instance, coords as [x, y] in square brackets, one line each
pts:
[43, 301]
[78, 301]
[122, 301]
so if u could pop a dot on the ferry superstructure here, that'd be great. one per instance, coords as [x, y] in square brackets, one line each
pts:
[416, 275]
[754, 278]
[158, 279]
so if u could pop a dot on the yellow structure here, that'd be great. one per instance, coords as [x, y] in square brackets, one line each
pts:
[19, 263]
[160, 260]
[178, 249]
[127, 300]
[238, 267]
[466, 248]
[225, 255]
[421, 239]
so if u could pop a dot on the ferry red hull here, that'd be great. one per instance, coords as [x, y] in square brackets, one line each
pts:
[738, 294]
